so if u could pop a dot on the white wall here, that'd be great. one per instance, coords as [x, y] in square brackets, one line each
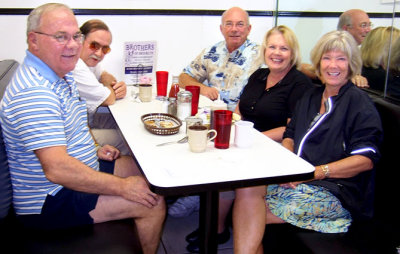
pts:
[181, 38]
[147, 4]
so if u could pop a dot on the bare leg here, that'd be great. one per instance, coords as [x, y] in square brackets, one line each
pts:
[249, 219]
[149, 221]
[270, 218]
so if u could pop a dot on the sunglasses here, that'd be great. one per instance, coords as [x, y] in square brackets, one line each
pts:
[96, 46]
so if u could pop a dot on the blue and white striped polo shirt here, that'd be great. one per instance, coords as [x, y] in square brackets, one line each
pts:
[41, 110]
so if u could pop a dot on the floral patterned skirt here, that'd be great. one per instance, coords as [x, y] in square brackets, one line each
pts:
[308, 206]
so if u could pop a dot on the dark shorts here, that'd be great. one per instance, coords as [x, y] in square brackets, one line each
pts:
[67, 208]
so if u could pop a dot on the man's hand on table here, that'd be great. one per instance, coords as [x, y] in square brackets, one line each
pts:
[119, 89]
[210, 92]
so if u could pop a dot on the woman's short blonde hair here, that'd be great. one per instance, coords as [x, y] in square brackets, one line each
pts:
[290, 39]
[375, 47]
[337, 40]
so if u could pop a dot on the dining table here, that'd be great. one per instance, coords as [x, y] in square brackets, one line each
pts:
[174, 170]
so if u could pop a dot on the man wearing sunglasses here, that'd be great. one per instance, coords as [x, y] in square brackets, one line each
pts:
[98, 87]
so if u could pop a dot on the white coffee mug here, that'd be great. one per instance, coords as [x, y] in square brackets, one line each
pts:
[244, 134]
[198, 136]
[145, 92]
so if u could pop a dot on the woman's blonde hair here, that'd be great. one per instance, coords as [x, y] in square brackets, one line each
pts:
[290, 39]
[375, 47]
[337, 40]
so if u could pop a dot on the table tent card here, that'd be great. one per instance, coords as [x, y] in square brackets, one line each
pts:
[140, 60]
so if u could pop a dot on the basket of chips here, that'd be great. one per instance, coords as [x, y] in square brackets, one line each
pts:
[161, 123]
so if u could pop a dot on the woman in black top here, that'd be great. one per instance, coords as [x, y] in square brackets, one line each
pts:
[270, 95]
[268, 101]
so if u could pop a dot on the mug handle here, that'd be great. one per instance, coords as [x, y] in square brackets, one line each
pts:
[214, 136]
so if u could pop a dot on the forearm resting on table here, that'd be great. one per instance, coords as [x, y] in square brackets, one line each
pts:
[110, 100]
[107, 79]
[60, 168]
[186, 80]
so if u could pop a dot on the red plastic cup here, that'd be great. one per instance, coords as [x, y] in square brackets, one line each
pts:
[222, 124]
[195, 90]
[162, 82]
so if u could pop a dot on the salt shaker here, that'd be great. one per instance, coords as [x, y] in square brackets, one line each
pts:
[164, 105]
[184, 104]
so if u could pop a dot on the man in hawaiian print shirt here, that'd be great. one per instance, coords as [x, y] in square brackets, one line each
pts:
[223, 69]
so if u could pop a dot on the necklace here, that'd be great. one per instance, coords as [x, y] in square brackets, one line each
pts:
[271, 81]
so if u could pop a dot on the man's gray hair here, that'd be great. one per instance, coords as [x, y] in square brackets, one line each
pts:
[36, 14]
[344, 20]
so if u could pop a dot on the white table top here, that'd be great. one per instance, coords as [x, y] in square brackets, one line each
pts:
[174, 165]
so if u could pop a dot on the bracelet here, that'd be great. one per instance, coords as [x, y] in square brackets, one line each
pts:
[325, 169]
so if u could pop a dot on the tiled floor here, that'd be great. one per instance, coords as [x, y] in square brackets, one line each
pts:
[175, 229]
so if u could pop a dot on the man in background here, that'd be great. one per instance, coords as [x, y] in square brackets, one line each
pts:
[98, 87]
[356, 22]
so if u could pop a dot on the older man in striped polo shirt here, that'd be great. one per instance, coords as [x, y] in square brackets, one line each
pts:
[58, 178]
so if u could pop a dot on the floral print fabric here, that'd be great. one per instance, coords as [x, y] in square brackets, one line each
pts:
[309, 207]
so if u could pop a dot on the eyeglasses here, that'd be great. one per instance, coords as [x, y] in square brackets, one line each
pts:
[63, 38]
[231, 24]
[96, 46]
[366, 24]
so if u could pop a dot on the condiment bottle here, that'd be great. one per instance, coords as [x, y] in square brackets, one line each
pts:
[172, 107]
[173, 92]
[184, 104]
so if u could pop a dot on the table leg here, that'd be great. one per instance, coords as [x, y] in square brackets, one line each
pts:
[208, 222]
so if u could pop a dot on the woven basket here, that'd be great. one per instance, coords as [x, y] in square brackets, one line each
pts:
[160, 117]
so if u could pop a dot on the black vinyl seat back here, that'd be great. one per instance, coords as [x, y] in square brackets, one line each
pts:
[7, 69]
[388, 173]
